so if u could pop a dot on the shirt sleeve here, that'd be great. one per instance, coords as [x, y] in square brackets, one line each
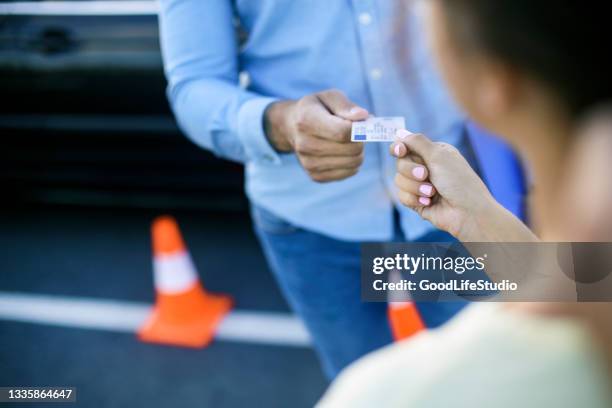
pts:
[200, 52]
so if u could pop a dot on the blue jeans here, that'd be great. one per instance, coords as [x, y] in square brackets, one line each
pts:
[320, 278]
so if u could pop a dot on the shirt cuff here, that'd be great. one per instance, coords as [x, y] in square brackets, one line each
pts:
[251, 131]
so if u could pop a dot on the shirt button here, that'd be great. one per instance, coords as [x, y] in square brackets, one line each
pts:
[268, 158]
[376, 74]
[365, 18]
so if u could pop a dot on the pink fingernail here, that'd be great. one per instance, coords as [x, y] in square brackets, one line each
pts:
[419, 172]
[425, 201]
[426, 189]
[402, 133]
[398, 150]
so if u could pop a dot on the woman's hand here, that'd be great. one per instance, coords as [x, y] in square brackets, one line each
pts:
[436, 181]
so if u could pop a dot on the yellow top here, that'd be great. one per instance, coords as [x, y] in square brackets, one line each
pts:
[487, 356]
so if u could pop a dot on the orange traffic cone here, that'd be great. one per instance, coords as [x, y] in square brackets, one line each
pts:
[184, 313]
[404, 317]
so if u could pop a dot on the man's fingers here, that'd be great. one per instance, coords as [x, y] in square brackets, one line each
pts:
[328, 115]
[338, 104]
[314, 146]
[333, 175]
[317, 121]
[324, 164]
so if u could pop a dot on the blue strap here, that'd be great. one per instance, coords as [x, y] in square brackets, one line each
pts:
[500, 168]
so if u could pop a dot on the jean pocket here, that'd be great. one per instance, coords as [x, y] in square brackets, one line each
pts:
[269, 223]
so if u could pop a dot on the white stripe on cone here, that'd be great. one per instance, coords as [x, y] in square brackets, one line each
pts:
[400, 305]
[174, 273]
[397, 299]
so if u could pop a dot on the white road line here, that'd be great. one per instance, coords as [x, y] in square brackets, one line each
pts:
[270, 328]
[80, 8]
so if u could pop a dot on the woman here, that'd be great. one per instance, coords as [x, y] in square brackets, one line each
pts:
[527, 70]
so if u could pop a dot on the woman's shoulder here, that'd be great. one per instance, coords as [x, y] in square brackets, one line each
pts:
[489, 355]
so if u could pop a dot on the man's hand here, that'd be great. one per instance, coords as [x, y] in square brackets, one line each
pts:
[318, 129]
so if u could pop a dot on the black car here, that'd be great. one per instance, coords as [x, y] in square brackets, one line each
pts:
[84, 117]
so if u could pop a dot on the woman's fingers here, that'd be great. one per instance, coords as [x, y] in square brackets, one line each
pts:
[408, 165]
[414, 187]
[398, 149]
[413, 201]
[414, 190]
[411, 169]
[417, 143]
[422, 191]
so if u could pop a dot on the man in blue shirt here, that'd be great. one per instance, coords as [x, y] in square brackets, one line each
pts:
[313, 67]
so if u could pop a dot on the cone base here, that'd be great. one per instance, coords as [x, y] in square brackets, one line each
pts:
[197, 332]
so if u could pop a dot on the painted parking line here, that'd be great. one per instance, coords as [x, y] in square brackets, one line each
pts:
[80, 8]
[271, 328]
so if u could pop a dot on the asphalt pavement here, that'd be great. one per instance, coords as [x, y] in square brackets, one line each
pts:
[105, 254]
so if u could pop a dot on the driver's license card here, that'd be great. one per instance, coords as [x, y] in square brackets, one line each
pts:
[376, 129]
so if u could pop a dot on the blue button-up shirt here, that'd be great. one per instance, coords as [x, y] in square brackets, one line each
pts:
[294, 48]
